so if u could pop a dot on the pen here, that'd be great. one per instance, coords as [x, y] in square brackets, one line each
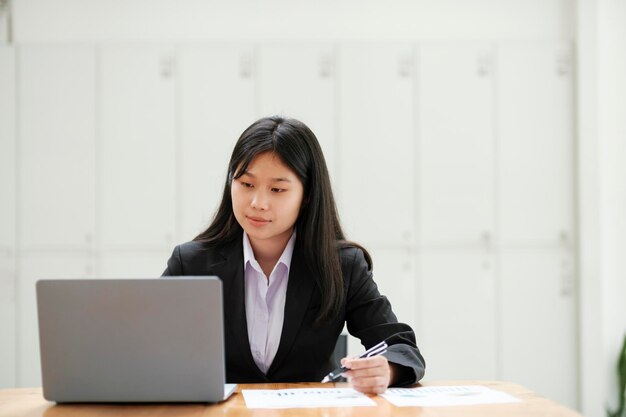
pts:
[378, 349]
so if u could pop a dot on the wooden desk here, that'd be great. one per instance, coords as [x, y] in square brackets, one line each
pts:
[29, 402]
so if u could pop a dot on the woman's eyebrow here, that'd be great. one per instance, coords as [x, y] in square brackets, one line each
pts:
[277, 179]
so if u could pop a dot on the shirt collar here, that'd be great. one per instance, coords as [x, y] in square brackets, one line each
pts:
[285, 257]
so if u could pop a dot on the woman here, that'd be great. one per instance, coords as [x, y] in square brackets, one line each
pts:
[290, 279]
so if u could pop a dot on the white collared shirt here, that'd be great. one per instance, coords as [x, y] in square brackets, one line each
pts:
[265, 302]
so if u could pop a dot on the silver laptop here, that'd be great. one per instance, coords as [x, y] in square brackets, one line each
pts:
[132, 340]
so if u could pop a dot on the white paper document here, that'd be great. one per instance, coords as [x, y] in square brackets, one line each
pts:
[305, 398]
[446, 396]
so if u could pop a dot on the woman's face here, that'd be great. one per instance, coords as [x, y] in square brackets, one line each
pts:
[267, 200]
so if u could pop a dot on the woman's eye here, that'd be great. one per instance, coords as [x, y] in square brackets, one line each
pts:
[278, 190]
[246, 184]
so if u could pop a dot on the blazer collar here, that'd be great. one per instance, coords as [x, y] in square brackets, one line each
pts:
[299, 291]
[230, 270]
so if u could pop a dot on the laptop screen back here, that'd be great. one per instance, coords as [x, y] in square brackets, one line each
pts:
[135, 340]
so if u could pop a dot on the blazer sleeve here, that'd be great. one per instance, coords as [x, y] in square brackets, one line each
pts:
[174, 264]
[370, 318]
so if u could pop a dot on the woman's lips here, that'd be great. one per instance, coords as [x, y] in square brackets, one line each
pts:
[257, 221]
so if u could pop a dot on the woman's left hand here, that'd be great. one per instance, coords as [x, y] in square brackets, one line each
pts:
[369, 375]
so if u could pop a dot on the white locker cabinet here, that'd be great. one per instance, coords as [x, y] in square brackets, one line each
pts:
[56, 123]
[536, 148]
[7, 151]
[137, 153]
[217, 96]
[457, 311]
[7, 322]
[299, 81]
[455, 115]
[33, 267]
[538, 321]
[394, 273]
[132, 264]
[376, 143]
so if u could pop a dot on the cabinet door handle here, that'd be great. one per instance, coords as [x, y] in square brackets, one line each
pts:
[245, 66]
[405, 66]
[563, 63]
[566, 289]
[486, 238]
[326, 66]
[167, 66]
[484, 65]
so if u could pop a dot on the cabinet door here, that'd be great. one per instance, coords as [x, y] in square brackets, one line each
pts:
[299, 81]
[138, 150]
[456, 144]
[538, 322]
[458, 314]
[216, 105]
[33, 267]
[132, 264]
[394, 273]
[7, 151]
[7, 322]
[56, 122]
[376, 153]
[536, 150]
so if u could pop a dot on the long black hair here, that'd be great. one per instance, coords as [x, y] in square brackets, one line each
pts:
[319, 232]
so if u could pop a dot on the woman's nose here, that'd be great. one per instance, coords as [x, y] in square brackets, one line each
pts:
[259, 201]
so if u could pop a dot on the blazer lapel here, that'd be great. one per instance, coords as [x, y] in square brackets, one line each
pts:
[299, 291]
[230, 270]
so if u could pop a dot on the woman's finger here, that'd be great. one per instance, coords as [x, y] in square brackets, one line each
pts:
[370, 385]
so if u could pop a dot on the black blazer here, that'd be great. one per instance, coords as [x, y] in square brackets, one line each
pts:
[305, 351]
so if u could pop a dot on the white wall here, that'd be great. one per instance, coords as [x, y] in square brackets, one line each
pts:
[91, 20]
[612, 135]
[601, 33]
